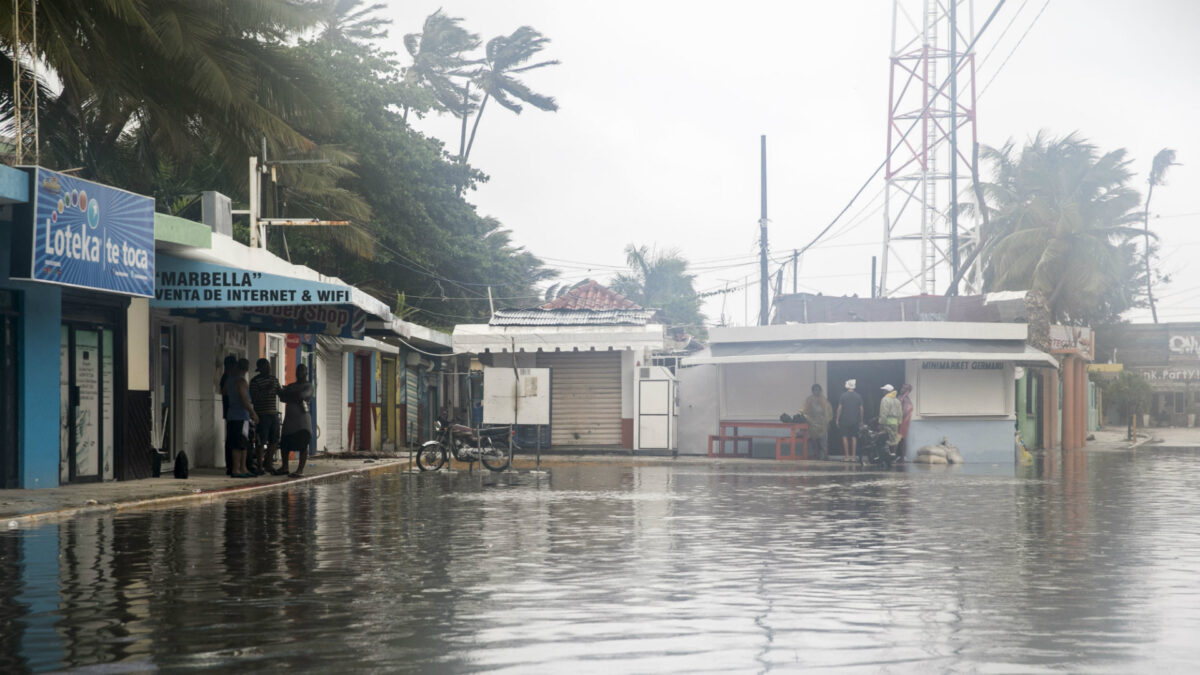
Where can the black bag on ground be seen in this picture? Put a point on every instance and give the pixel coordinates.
(181, 465)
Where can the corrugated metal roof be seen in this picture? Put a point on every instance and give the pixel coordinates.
(571, 317)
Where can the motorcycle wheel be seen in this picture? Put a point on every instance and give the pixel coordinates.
(431, 457)
(493, 457)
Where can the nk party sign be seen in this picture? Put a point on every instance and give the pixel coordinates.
(84, 234)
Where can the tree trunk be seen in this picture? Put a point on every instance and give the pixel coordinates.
(475, 127)
(1149, 279)
(462, 139)
(1037, 315)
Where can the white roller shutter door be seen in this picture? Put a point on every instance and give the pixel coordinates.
(585, 397)
(331, 430)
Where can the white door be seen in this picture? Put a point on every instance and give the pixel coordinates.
(332, 431)
(585, 397)
(654, 414)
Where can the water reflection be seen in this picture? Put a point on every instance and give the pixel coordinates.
(1089, 561)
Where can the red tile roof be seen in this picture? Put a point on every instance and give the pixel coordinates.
(591, 296)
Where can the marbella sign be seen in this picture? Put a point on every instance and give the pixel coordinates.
(184, 283)
(74, 232)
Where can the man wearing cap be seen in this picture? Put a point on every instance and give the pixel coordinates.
(890, 412)
(848, 419)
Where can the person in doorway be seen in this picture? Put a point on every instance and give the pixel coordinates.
(264, 390)
(297, 427)
(819, 412)
(890, 412)
(849, 418)
(239, 417)
(230, 366)
(906, 414)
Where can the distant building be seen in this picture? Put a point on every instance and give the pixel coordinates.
(597, 343)
(1167, 355)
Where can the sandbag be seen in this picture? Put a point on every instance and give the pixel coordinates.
(930, 459)
(932, 451)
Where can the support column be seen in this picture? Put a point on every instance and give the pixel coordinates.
(1082, 379)
(1051, 399)
(1069, 398)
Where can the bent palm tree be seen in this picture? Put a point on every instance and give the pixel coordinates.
(437, 53)
(1164, 160)
(504, 58)
(1060, 215)
(660, 280)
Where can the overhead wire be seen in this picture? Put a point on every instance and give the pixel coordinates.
(1013, 50)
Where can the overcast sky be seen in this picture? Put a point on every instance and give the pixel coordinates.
(662, 104)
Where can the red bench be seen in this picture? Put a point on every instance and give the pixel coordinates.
(732, 432)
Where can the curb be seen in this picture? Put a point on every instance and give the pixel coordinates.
(16, 522)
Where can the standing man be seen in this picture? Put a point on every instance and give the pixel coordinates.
(890, 412)
(906, 414)
(264, 390)
(819, 412)
(849, 418)
(297, 427)
(238, 418)
(230, 368)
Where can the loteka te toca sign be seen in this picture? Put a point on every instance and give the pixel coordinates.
(78, 233)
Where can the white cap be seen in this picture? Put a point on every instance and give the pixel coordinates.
(850, 384)
(888, 387)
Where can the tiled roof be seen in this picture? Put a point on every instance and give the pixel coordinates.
(572, 317)
(591, 296)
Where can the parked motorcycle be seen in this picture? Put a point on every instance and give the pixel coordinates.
(466, 446)
(873, 449)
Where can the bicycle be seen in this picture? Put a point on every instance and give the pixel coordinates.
(461, 440)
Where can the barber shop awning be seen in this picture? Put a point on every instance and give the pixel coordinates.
(266, 294)
(1013, 351)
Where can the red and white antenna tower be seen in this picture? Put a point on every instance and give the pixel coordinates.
(920, 241)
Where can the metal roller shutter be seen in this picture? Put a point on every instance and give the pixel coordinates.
(412, 400)
(331, 430)
(585, 397)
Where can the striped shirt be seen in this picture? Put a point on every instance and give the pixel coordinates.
(263, 390)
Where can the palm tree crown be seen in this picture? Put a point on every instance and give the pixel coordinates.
(1061, 216)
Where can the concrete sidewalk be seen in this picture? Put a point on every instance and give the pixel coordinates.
(23, 508)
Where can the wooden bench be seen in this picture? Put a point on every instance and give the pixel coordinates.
(732, 432)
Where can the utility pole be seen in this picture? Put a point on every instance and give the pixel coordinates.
(953, 290)
(764, 305)
(263, 174)
(795, 270)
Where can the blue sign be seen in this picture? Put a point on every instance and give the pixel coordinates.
(89, 235)
(192, 284)
(345, 321)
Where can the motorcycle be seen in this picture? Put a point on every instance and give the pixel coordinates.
(465, 445)
(873, 449)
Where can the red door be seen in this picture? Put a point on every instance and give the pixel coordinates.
(362, 396)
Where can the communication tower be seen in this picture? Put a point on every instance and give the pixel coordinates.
(922, 172)
(25, 82)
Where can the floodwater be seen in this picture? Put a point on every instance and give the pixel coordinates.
(1087, 563)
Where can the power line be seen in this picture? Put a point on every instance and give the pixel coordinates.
(1014, 49)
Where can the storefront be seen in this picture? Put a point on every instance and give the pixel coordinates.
(229, 299)
(962, 376)
(79, 251)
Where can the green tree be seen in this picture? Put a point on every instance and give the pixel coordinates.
(1129, 394)
(505, 56)
(351, 21)
(1164, 160)
(1060, 217)
(660, 280)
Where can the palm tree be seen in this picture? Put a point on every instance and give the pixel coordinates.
(186, 80)
(1060, 214)
(660, 280)
(506, 56)
(349, 20)
(437, 54)
(1164, 160)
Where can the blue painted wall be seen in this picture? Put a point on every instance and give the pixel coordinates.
(38, 410)
(979, 441)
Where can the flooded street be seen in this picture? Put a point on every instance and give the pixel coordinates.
(1087, 564)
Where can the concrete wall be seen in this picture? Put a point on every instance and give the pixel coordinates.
(979, 441)
(761, 391)
(699, 415)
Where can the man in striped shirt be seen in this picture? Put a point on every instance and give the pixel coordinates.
(264, 393)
